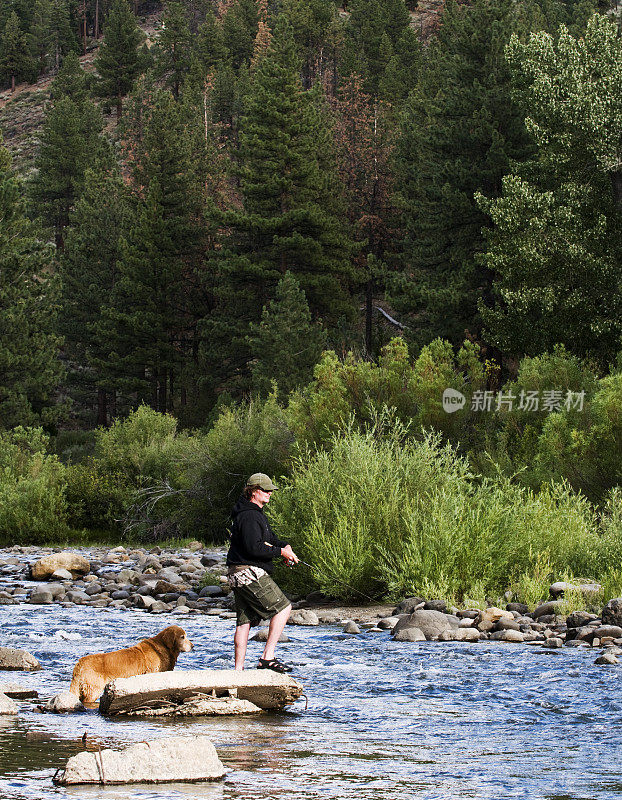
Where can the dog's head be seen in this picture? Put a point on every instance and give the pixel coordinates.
(174, 639)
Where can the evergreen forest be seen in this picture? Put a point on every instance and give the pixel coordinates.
(241, 235)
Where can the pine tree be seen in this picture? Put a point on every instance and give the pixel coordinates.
(14, 60)
(239, 29)
(38, 34)
(61, 37)
(89, 272)
(30, 369)
(69, 140)
(461, 129)
(288, 220)
(208, 44)
(286, 344)
(375, 28)
(311, 21)
(364, 135)
(117, 61)
(150, 321)
(174, 46)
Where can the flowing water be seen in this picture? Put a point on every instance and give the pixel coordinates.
(432, 721)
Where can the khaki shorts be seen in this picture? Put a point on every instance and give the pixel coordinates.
(261, 599)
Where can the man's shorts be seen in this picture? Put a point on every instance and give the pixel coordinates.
(261, 599)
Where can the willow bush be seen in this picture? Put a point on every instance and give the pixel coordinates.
(392, 516)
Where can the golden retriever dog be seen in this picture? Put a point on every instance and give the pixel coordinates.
(157, 654)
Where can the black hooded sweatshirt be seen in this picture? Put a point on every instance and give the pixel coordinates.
(249, 533)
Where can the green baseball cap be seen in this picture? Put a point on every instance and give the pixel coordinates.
(262, 480)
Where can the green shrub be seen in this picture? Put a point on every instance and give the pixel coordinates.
(254, 437)
(586, 448)
(96, 500)
(392, 516)
(32, 483)
(145, 447)
(358, 389)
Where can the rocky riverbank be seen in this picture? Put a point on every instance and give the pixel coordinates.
(190, 581)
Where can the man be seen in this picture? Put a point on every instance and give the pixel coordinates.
(253, 547)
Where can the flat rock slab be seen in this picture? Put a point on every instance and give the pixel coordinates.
(16, 691)
(11, 659)
(262, 687)
(173, 759)
(197, 706)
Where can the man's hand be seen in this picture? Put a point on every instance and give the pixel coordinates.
(289, 555)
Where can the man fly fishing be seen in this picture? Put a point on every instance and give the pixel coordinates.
(253, 547)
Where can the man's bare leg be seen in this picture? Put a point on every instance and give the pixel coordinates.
(240, 640)
(276, 628)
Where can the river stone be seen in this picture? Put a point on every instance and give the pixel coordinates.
(608, 630)
(211, 591)
(77, 596)
(170, 576)
(7, 706)
(263, 687)
(64, 703)
(546, 609)
(507, 636)
(144, 601)
(612, 612)
(17, 692)
(166, 587)
(168, 760)
(408, 605)
(388, 623)
(557, 589)
(410, 634)
(45, 567)
(554, 642)
(505, 624)
(607, 658)
(61, 575)
(435, 605)
(303, 616)
(40, 597)
(520, 608)
(351, 627)
(11, 659)
(493, 614)
(460, 635)
(93, 588)
(262, 636)
(579, 618)
(430, 623)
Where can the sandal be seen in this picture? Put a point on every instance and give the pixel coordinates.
(274, 664)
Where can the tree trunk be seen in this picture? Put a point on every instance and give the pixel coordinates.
(616, 185)
(96, 31)
(12, 83)
(119, 107)
(162, 391)
(102, 411)
(369, 295)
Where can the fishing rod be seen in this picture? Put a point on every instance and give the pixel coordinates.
(335, 578)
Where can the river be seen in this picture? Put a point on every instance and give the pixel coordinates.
(431, 721)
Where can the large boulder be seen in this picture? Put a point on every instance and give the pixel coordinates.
(45, 567)
(430, 623)
(7, 706)
(409, 635)
(262, 687)
(612, 612)
(545, 609)
(559, 588)
(177, 758)
(11, 659)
